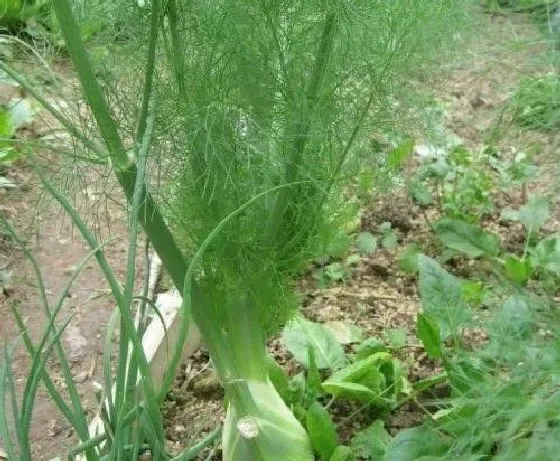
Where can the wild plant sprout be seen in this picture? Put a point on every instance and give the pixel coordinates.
(255, 108)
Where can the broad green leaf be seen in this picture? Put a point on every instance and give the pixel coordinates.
(366, 242)
(396, 337)
(467, 238)
(369, 347)
(322, 431)
(301, 333)
(428, 332)
(390, 240)
(518, 269)
(534, 214)
(408, 259)
(345, 333)
(415, 443)
(350, 391)
(441, 297)
(371, 443)
(342, 453)
(400, 153)
(546, 254)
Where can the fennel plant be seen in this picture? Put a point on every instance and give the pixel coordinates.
(259, 106)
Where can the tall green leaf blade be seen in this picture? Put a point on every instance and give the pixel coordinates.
(467, 238)
(301, 333)
(322, 431)
(428, 332)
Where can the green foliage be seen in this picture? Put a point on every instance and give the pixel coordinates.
(371, 443)
(366, 242)
(467, 238)
(428, 332)
(301, 334)
(536, 104)
(322, 431)
(441, 296)
(408, 258)
(260, 108)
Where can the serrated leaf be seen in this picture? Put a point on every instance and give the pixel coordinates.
(428, 332)
(372, 442)
(441, 297)
(342, 453)
(345, 333)
(301, 333)
(467, 238)
(366, 242)
(534, 214)
(518, 269)
(322, 431)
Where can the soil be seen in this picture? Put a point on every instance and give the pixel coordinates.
(376, 296)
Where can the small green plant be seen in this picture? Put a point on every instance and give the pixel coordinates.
(459, 183)
(370, 377)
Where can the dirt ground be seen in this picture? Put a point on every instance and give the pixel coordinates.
(377, 296)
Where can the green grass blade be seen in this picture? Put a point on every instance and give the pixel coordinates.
(4, 431)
